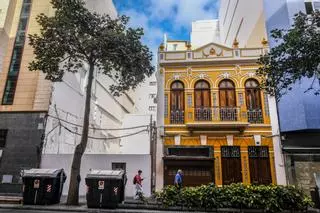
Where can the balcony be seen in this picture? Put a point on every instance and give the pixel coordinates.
(218, 117)
(217, 113)
(177, 117)
(255, 116)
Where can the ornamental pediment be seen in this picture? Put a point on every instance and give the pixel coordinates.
(212, 50)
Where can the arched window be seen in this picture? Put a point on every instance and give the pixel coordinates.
(202, 101)
(253, 99)
(177, 102)
(202, 94)
(227, 94)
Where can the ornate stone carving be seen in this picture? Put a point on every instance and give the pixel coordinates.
(251, 74)
(202, 75)
(225, 75)
(176, 76)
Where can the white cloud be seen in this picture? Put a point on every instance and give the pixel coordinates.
(153, 36)
(183, 12)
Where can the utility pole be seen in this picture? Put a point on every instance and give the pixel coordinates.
(151, 152)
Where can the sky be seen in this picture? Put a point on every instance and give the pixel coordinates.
(172, 17)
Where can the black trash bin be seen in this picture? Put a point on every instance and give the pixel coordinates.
(316, 193)
(105, 188)
(42, 186)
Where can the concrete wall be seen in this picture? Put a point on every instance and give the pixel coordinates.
(91, 161)
(22, 144)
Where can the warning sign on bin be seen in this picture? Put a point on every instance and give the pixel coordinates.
(101, 184)
(36, 184)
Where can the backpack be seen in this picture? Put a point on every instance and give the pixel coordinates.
(135, 180)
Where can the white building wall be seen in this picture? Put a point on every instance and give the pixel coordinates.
(238, 19)
(103, 162)
(145, 97)
(128, 145)
(204, 32)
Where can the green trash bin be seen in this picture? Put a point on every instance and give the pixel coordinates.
(42, 186)
(105, 188)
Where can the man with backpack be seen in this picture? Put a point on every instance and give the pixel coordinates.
(137, 182)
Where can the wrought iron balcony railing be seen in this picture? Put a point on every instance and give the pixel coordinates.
(217, 113)
(255, 116)
(177, 117)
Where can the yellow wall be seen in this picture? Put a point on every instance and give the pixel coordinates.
(214, 70)
(213, 75)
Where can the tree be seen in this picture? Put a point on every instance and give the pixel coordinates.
(296, 56)
(73, 37)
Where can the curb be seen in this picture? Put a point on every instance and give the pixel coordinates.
(124, 209)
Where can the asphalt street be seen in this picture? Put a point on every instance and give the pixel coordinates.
(26, 211)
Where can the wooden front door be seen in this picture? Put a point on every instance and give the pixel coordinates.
(195, 172)
(231, 165)
(259, 163)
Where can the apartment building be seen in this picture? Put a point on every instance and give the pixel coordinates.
(298, 111)
(41, 121)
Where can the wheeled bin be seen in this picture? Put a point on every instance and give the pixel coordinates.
(316, 193)
(42, 186)
(105, 188)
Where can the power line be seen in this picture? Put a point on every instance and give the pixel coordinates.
(111, 138)
(74, 124)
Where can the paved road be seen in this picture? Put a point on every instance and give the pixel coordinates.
(26, 211)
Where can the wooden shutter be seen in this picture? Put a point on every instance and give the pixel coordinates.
(206, 98)
(197, 95)
(223, 102)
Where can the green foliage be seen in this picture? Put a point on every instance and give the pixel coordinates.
(270, 198)
(75, 36)
(296, 56)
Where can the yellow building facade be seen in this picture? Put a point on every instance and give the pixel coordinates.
(216, 118)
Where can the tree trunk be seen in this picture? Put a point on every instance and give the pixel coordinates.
(73, 193)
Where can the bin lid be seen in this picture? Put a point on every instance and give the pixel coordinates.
(41, 172)
(109, 174)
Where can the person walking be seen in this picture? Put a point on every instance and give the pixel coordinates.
(178, 179)
(137, 181)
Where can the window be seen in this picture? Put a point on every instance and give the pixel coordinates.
(311, 6)
(253, 99)
(227, 94)
(15, 63)
(308, 6)
(166, 106)
(3, 137)
(119, 166)
(189, 100)
(175, 47)
(228, 110)
(152, 108)
(177, 102)
(152, 95)
(202, 94)
(266, 104)
(202, 101)
(152, 83)
(9, 90)
(177, 96)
